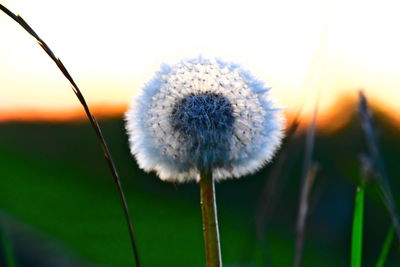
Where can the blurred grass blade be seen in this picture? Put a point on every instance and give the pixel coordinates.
(307, 180)
(91, 118)
(386, 248)
(7, 250)
(383, 181)
(357, 233)
(303, 212)
(271, 188)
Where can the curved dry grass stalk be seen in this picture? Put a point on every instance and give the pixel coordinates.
(91, 118)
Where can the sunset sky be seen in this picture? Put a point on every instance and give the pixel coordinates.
(303, 49)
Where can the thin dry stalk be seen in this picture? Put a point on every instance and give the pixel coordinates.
(303, 212)
(270, 189)
(309, 171)
(91, 118)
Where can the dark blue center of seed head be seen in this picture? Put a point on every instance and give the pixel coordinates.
(202, 116)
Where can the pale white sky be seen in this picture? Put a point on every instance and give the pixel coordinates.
(112, 48)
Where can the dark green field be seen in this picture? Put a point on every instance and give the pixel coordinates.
(59, 206)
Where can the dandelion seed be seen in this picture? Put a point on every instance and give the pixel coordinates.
(203, 116)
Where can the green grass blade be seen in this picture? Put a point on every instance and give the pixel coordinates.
(386, 248)
(5, 244)
(356, 241)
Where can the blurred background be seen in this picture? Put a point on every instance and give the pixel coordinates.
(58, 203)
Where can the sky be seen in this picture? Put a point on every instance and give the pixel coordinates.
(305, 50)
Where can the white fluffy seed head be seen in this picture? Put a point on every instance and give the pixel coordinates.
(203, 115)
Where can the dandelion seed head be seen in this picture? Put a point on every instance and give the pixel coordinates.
(203, 115)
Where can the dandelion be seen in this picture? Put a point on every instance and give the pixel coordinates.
(204, 120)
(203, 115)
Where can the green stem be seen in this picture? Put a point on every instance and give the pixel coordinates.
(356, 241)
(210, 220)
(5, 243)
(386, 248)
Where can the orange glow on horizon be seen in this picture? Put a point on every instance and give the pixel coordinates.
(60, 115)
(328, 121)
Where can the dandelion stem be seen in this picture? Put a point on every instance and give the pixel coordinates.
(210, 220)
